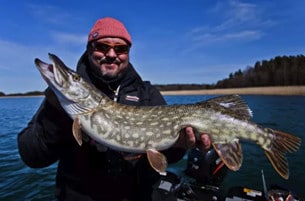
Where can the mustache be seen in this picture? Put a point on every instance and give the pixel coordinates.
(107, 60)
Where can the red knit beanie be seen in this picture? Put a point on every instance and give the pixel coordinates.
(108, 27)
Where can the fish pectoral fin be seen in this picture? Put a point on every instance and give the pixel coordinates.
(230, 153)
(77, 131)
(157, 161)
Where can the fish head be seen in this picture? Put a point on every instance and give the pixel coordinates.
(69, 87)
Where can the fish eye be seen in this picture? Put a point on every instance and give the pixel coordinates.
(76, 78)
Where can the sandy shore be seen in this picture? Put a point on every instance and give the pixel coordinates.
(285, 90)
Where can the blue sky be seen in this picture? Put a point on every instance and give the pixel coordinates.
(185, 41)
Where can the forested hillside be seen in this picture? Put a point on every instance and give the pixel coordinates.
(279, 71)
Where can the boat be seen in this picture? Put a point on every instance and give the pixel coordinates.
(173, 188)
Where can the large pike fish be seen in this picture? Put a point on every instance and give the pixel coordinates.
(150, 129)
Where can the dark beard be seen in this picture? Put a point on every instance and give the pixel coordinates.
(98, 75)
(107, 79)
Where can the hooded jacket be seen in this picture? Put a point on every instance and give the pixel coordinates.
(85, 172)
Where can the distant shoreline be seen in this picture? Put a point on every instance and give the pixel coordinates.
(281, 90)
(22, 96)
(278, 90)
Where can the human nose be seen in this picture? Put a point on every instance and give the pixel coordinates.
(111, 53)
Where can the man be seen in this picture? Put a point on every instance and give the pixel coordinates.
(89, 172)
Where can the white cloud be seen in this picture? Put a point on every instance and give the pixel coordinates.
(209, 38)
(69, 38)
(237, 21)
(14, 56)
(52, 15)
(17, 68)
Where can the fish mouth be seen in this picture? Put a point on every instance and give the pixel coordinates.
(57, 77)
(54, 74)
(68, 86)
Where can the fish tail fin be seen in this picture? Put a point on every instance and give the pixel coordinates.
(281, 144)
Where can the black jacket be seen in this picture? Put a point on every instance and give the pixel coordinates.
(84, 172)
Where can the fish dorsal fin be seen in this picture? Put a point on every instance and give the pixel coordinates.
(230, 153)
(233, 105)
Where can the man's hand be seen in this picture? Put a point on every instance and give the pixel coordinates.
(187, 138)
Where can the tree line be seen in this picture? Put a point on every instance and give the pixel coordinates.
(278, 71)
(31, 93)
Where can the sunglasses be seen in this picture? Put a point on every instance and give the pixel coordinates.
(105, 47)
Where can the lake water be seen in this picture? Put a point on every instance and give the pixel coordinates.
(286, 113)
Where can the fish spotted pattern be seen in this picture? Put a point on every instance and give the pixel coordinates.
(150, 129)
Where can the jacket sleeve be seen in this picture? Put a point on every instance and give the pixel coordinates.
(40, 142)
